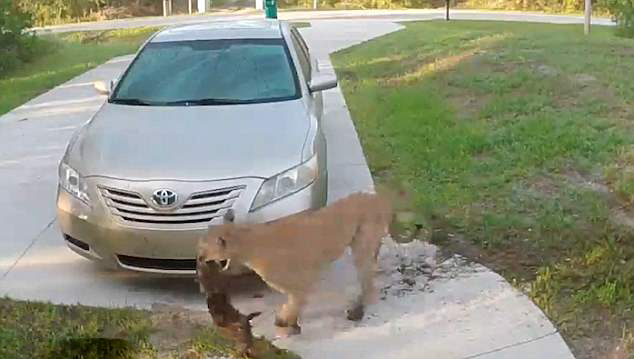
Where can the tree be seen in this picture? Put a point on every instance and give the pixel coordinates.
(623, 13)
(16, 43)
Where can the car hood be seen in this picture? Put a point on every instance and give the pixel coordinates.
(191, 143)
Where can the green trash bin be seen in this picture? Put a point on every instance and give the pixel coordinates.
(270, 9)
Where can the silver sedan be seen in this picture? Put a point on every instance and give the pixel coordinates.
(207, 118)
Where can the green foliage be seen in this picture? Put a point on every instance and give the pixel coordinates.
(16, 45)
(363, 4)
(556, 6)
(48, 11)
(60, 11)
(30, 330)
(64, 57)
(623, 12)
(527, 5)
(40, 330)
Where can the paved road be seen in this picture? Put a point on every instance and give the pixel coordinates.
(392, 15)
(454, 309)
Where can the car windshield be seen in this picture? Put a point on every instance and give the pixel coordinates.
(209, 72)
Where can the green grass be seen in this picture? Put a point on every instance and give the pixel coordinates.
(515, 144)
(62, 57)
(37, 330)
(300, 24)
(45, 331)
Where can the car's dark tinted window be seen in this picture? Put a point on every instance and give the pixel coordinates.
(209, 72)
(302, 51)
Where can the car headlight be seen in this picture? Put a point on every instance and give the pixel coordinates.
(73, 183)
(286, 183)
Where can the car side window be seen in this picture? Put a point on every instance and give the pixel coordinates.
(302, 43)
(304, 57)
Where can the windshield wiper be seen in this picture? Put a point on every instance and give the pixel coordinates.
(207, 102)
(131, 101)
(199, 102)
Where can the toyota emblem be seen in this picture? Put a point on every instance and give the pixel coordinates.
(164, 197)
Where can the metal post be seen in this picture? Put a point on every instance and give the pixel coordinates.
(170, 7)
(588, 17)
(203, 6)
(189, 6)
(315, 4)
(164, 7)
(447, 15)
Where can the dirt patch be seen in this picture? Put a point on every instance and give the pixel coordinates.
(544, 186)
(603, 345)
(175, 327)
(467, 105)
(591, 182)
(585, 89)
(406, 267)
(620, 213)
(511, 260)
(547, 71)
(583, 79)
(410, 226)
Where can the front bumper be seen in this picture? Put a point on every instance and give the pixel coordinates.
(97, 233)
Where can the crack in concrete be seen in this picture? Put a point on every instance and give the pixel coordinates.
(28, 248)
(511, 346)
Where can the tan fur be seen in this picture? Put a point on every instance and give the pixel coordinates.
(289, 253)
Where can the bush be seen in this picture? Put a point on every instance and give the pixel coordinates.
(46, 12)
(16, 43)
(57, 11)
(623, 12)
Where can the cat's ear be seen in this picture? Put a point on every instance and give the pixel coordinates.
(229, 216)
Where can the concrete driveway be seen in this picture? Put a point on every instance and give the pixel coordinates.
(431, 309)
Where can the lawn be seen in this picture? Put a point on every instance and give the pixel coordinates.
(45, 331)
(515, 144)
(62, 57)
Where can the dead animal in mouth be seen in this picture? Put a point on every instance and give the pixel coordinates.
(224, 315)
(289, 253)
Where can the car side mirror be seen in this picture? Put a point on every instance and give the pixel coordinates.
(322, 83)
(102, 88)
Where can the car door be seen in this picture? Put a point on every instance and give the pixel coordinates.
(308, 67)
(315, 103)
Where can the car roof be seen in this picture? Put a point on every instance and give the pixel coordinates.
(218, 30)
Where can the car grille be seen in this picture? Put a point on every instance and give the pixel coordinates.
(200, 208)
(154, 263)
